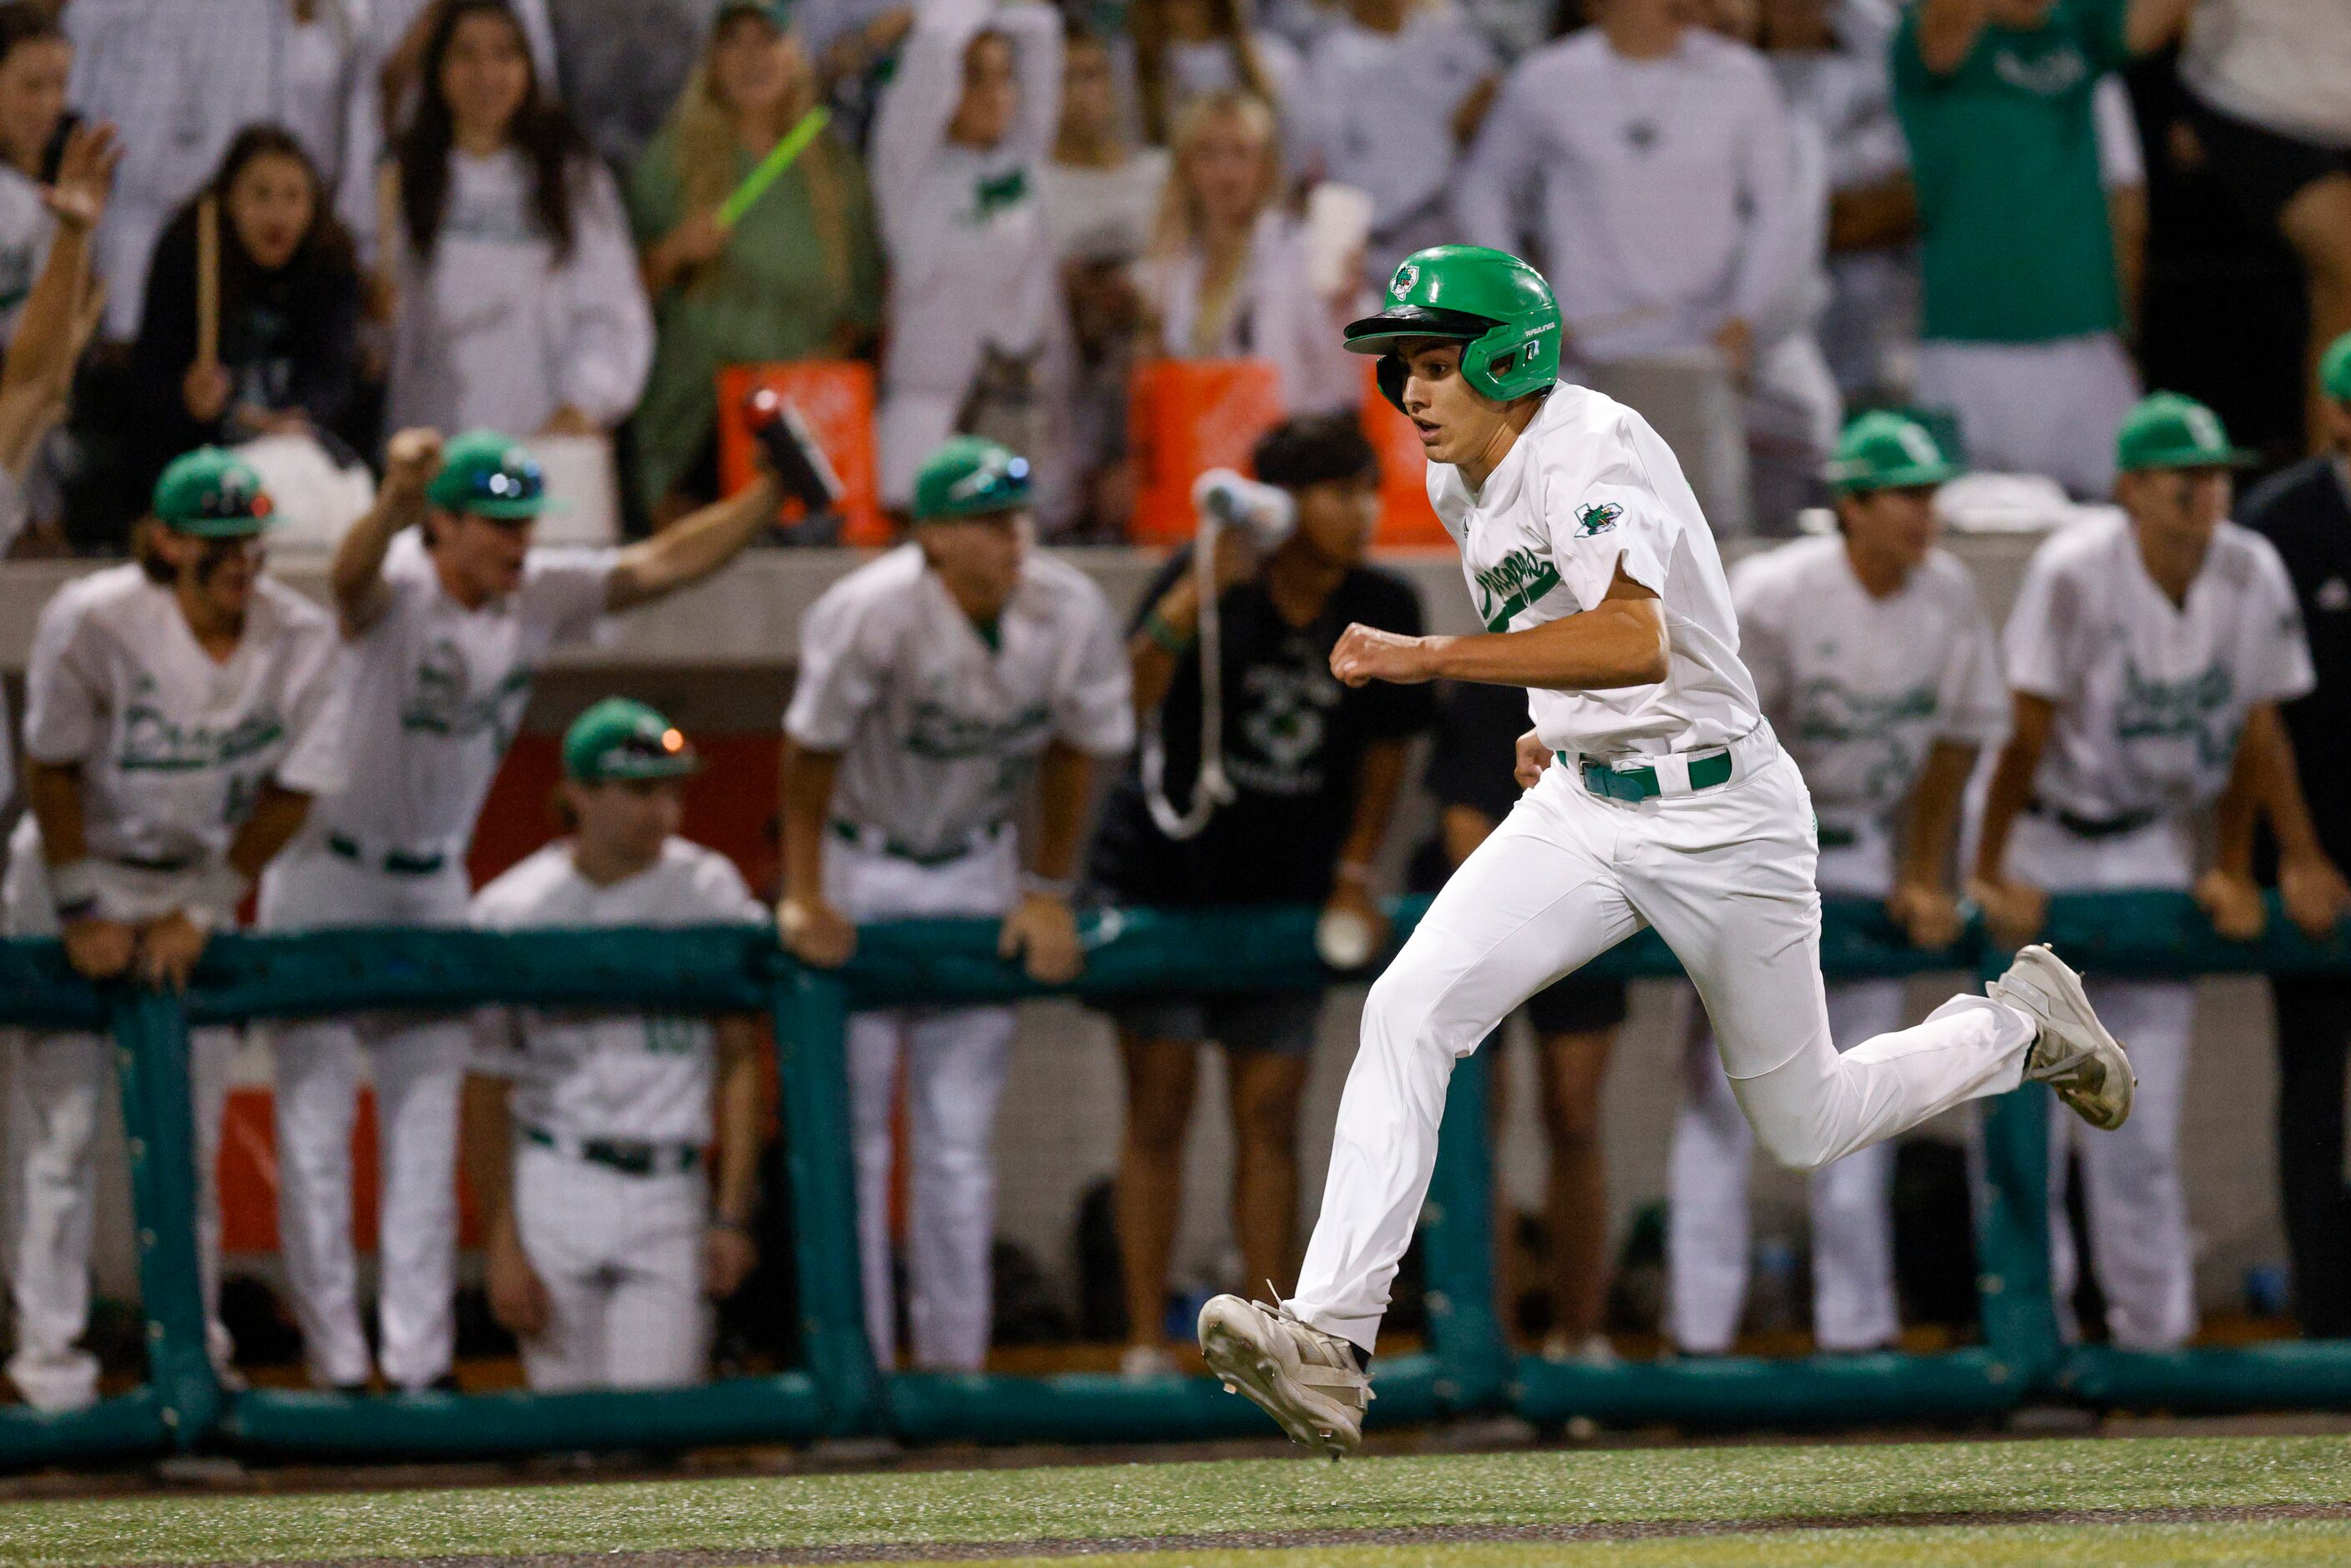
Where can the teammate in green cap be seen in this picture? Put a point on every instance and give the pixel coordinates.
(934, 683)
(1876, 668)
(448, 609)
(182, 713)
(2305, 513)
(2148, 655)
(585, 1132)
(1656, 794)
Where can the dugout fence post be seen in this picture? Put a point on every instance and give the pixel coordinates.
(812, 1023)
(152, 1059)
(1457, 1236)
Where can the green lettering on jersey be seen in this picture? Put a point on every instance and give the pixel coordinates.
(153, 742)
(1518, 579)
(2152, 709)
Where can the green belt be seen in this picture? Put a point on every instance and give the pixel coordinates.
(1641, 783)
(394, 861)
(627, 1156)
(848, 834)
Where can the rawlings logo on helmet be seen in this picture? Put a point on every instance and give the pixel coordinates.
(1406, 276)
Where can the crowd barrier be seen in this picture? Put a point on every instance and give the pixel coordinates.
(1465, 1368)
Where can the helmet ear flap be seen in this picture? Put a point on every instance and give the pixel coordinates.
(1391, 373)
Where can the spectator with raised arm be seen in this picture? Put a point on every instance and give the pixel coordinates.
(34, 60)
(519, 306)
(2026, 291)
(957, 157)
(52, 322)
(1185, 50)
(797, 276)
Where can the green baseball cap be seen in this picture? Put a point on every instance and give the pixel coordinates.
(779, 12)
(1883, 449)
(2168, 430)
(492, 475)
(2335, 369)
(214, 494)
(970, 477)
(620, 739)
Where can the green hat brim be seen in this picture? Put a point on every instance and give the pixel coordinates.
(2192, 457)
(222, 527)
(1857, 480)
(510, 511)
(991, 507)
(683, 767)
(1378, 334)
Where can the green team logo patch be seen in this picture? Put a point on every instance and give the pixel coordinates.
(1510, 584)
(1406, 276)
(1597, 518)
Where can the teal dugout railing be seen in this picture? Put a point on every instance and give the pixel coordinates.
(1466, 1366)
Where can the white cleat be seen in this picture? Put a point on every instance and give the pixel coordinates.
(2072, 1052)
(1305, 1379)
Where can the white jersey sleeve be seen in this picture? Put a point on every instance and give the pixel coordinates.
(842, 663)
(2275, 663)
(719, 892)
(1093, 701)
(64, 692)
(2033, 643)
(564, 588)
(1603, 515)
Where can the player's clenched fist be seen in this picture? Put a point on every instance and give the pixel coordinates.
(99, 949)
(815, 933)
(1043, 933)
(2232, 901)
(411, 459)
(1366, 653)
(2014, 911)
(1533, 756)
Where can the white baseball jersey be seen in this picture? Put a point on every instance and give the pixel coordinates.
(939, 729)
(1859, 688)
(1587, 486)
(640, 1076)
(2150, 696)
(174, 746)
(438, 692)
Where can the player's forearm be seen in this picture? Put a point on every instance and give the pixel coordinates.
(698, 546)
(489, 1148)
(1064, 787)
(2126, 221)
(44, 347)
(1932, 821)
(2279, 783)
(1379, 780)
(277, 815)
(53, 794)
(1617, 643)
(806, 806)
(2010, 792)
(1869, 217)
(1156, 650)
(1948, 31)
(737, 1195)
(356, 575)
(2150, 23)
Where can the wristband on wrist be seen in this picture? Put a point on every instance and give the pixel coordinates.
(1156, 627)
(1061, 887)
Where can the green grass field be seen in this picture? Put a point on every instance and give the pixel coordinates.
(2200, 1500)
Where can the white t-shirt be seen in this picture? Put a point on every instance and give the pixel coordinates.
(940, 730)
(1380, 106)
(1588, 485)
(2150, 696)
(174, 746)
(637, 1076)
(2283, 63)
(498, 330)
(1859, 688)
(438, 692)
(1664, 192)
(1275, 316)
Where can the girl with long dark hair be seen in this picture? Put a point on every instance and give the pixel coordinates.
(519, 306)
(34, 60)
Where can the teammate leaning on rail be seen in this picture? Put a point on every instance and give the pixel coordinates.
(447, 611)
(934, 683)
(585, 1132)
(1671, 805)
(182, 711)
(1874, 661)
(2147, 655)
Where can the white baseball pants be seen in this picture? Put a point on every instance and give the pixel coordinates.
(56, 1103)
(2131, 1190)
(1707, 1220)
(954, 1061)
(417, 1062)
(1726, 878)
(620, 1256)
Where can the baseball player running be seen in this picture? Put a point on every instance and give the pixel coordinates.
(2147, 655)
(443, 628)
(1656, 795)
(604, 1235)
(934, 683)
(1874, 662)
(180, 713)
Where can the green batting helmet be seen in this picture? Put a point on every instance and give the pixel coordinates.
(1498, 307)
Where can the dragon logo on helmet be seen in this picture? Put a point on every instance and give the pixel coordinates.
(1406, 276)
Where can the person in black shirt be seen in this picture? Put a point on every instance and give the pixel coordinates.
(1574, 1019)
(1317, 767)
(2306, 512)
